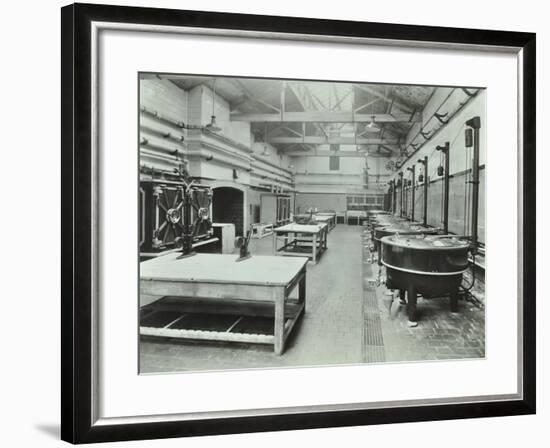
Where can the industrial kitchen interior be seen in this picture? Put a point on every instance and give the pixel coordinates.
(288, 223)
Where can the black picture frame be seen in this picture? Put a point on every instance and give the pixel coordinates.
(77, 425)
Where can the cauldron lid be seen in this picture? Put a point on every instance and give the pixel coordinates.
(431, 242)
(402, 228)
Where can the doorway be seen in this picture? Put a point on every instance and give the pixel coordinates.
(228, 207)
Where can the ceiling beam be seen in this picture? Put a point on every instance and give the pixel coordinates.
(364, 106)
(250, 97)
(386, 98)
(338, 140)
(326, 153)
(302, 103)
(324, 116)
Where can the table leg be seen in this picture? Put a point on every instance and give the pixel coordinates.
(279, 329)
(314, 248)
(302, 291)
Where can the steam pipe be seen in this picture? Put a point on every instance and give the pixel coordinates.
(448, 117)
(475, 123)
(445, 150)
(425, 198)
(412, 169)
(394, 198)
(401, 193)
(390, 196)
(173, 151)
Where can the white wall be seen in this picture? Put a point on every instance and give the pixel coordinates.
(459, 161)
(162, 96)
(30, 377)
(314, 175)
(200, 101)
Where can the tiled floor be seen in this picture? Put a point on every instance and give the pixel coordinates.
(329, 333)
(440, 334)
(347, 321)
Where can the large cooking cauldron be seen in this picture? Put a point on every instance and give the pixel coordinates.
(377, 212)
(380, 232)
(373, 214)
(384, 220)
(431, 266)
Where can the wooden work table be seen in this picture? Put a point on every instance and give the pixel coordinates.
(305, 240)
(225, 285)
(326, 218)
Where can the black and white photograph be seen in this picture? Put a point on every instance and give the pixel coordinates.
(298, 223)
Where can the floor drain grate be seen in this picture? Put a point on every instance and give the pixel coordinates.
(373, 343)
(373, 330)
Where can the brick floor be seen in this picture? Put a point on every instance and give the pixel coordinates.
(440, 334)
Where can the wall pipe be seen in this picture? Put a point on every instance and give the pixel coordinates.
(164, 118)
(475, 123)
(173, 151)
(445, 150)
(448, 117)
(394, 196)
(412, 169)
(425, 197)
(401, 193)
(406, 200)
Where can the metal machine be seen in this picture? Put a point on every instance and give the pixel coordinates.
(174, 212)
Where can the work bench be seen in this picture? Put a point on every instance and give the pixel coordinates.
(304, 240)
(327, 218)
(217, 283)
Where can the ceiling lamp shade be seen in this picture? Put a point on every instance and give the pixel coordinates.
(265, 151)
(371, 127)
(212, 126)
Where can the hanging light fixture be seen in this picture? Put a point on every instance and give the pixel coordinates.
(371, 127)
(265, 151)
(212, 126)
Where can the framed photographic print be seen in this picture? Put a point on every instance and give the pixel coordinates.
(274, 223)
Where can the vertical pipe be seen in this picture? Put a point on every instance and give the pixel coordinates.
(401, 193)
(394, 207)
(405, 198)
(426, 183)
(445, 150)
(424, 163)
(390, 197)
(475, 123)
(413, 184)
